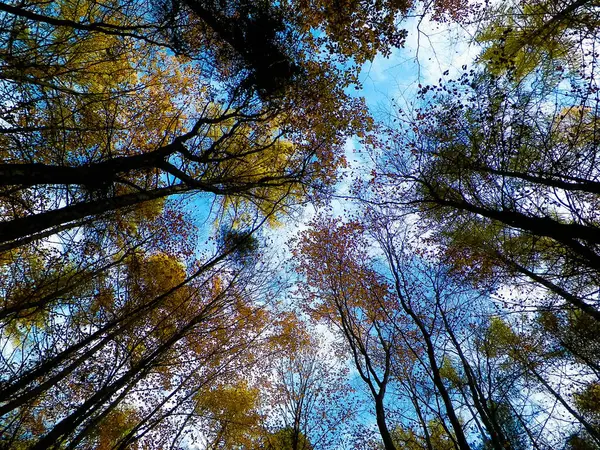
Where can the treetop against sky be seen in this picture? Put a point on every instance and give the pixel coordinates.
(299, 225)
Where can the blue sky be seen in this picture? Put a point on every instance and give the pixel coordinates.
(429, 51)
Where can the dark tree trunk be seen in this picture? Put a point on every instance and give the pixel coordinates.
(388, 442)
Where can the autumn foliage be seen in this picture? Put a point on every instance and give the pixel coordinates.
(149, 151)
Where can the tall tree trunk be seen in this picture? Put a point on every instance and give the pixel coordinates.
(12, 230)
(388, 442)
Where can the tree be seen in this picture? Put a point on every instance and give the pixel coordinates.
(497, 171)
(414, 299)
(233, 413)
(310, 399)
(522, 37)
(173, 344)
(525, 351)
(345, 293)
(84, 147)
(436, 439)
(386, 319)
(285, 439)
(504, 181)
(459, 375)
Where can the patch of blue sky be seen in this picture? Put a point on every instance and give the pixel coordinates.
(431, 50)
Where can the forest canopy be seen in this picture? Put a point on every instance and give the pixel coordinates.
(439, 292)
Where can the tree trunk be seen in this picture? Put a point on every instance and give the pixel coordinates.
(388, 443)
(18, 228)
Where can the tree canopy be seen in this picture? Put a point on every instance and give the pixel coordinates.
(151, 154)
